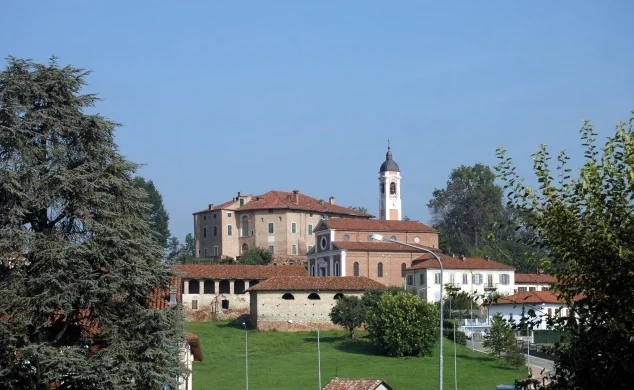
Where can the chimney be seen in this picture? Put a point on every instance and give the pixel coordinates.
(487, 258)
(296, 196)
(239, 194)
(211, 205)
(172, 295)
(331, 200)
(462, 257)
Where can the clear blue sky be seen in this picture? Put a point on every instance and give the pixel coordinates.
(217, 97)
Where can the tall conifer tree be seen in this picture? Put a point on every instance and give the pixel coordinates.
(81, 279)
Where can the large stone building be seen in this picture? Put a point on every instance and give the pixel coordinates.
(281, 222)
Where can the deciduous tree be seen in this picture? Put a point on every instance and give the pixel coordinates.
(349, 313)
(586, 223)
(80, 276)
(257, 256)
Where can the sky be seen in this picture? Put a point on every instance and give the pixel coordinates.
(216, 97)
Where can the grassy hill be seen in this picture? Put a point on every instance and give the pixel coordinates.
(279, 360)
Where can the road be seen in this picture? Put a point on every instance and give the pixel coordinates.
(537, 364)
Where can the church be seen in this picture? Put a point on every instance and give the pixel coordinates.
(344, 247)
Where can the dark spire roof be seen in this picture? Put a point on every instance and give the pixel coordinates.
(389, 164)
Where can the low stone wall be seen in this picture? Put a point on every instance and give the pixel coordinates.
(284, 326)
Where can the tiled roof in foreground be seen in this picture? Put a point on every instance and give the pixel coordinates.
(534, 278)
(355, 384)
(317, 283)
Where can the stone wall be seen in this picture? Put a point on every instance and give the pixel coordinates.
(272, 309)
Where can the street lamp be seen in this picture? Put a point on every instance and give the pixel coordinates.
(318, 351)
(246, 351)
(378, 237)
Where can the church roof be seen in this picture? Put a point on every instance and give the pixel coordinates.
(389, 165)
(377, 225)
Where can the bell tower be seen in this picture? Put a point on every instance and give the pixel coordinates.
(390, 189)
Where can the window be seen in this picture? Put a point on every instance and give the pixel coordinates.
(370, 237)
(452, 278)
(476, 278)
(338, 296)
(204, 232)
(355, 269)
(224, 287)
(208, 287)
(229, 215)
(205, 252)
(215, 215)
(310, 247)
(225, 304)
(215, 251)
(241, 202)
(393, 238)
(215, 231)
(270, 211)
(545, 288)
(314, 297)
(379, 270)
(337, 269)
(465, 279)
(310, 229)
(271, 227)
(550, 312)
(293, 227)
(323, 242)
(245, 226)
(346, 237)
(238, 287)
(272, 248)
(293, 249)
(194, 287)
(531, 289)
(392, 188)
(383, 188)
(204, 217)
(312, 271)
(421, 279)
(403, 267)
(490, 279)
(288, 297)
(504, 279)
(521, 289)
(410, 280)
(437, 278)
(194, 304)
(229, 230)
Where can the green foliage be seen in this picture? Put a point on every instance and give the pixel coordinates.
(178, 253)
(349, 313)
(358, 208)
(403, 325)
(257, 256)
(157, 214)
(586, 223)
(515, 355)
(500, 337)
(79, 269)
(461, 337)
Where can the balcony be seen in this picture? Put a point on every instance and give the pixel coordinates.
(490, 286)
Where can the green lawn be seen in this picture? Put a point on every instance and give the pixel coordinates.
(279, 360)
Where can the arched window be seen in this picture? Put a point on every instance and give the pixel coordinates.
(383, 188)
(238, 287)
(194, 287)
(209, 286)
(253, 282)
(337, 269)
(245, 248)
(380, 270)
(338, 296)
(313, 297)
(403, 266)
(245, 226)
(288, 296)
(224, 287)
(393, 238)
(392, 188)
(346, 237)
(355, 268)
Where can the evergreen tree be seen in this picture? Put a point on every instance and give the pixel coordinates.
(157, 214)
(81, 279)
(498, 338)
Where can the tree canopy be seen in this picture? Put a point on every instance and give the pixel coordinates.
(257, 256)
(157, 213)
(80, 276)
(586, 223)
(349, 313)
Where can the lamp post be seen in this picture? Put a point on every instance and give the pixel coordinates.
(246, 352)
(318, 350)
(378, 237)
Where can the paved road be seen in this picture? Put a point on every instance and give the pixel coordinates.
(538, 364)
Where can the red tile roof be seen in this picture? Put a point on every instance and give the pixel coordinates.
(530, 297)
(534, 278)
(284, 200)
(221, 206)
(355, 384)
(314, 283)
(426, 261)
(377, 246)
(378, 225)
(220, 272)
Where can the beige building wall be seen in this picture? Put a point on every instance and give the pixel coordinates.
(269, 310)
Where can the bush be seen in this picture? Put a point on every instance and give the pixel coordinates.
(461, 337)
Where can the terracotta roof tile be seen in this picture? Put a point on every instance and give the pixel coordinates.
(313, 283)
(378, 225)
(530, 297)
(257, 272)
(376, 246)
(218, 207)
(534, 278)
(426, 261)
(355, 384)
